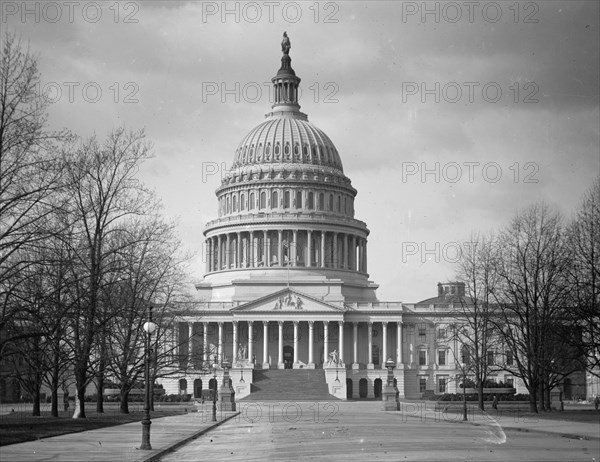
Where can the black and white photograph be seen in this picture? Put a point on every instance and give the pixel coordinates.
(299, 230)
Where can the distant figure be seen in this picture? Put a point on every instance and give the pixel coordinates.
(495, 402)
(597, 401)
(286, 44)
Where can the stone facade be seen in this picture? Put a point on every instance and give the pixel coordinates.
(287, 283)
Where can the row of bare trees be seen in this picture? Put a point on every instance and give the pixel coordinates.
(84, 250)
(532, 294)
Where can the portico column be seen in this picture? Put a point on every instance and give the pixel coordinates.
(341, 341)
(234, 356)
(295, 342)
(280, 364)
(269, 250)
(355, 335)
(220, 343)
(190, 342)
(370, 351)
(353, 254)
(280, 247)
(265, 344)
(384, 340)
(309, 252)
(205, 342)
(311, 325)
(322, 249)
(399, 342)
(294, 251)
(365, 252)
(325, 341)
(251, 342)
(335, 251)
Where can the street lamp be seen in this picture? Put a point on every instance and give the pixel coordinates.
(463, 368)
(149, 327)
(214, 408)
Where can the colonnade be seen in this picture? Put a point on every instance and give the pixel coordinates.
(249, 354)
(307, 248)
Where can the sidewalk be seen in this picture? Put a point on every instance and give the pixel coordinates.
(118, 443)
(507, 419)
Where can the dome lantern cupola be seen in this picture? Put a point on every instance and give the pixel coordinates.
(286, 83)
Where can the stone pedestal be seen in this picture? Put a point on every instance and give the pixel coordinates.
(355, 366)
(388, 399)
(370, 366)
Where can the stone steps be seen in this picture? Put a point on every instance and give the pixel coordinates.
(289, 385)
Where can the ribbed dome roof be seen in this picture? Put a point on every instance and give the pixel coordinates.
(286, 138)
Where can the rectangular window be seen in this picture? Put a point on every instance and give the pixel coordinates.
(442, 384)
(442, 357)
(442, 333)
(490, 358)
(422, 384)
(510, 382)
(509, 358)
(421, 331)
(422, 358)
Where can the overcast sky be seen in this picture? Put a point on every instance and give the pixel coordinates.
(449, 117)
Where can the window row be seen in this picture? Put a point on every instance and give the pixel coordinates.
(287, 151)
(285, 199)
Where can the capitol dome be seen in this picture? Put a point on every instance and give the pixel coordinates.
(286, 212)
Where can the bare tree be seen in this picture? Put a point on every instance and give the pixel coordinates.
(533, 291)
(29, 173)
(475, 328)
(150, 276)
(103, 194)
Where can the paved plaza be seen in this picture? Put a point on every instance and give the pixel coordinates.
(328, 430)
(360, 431)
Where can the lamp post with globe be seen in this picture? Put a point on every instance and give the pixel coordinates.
(149, 327)
(464, 368)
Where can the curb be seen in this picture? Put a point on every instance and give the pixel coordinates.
(158, 455)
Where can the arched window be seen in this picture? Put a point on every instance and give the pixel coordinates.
(235, 203)
(286, 150)
(228, 205)
(321, 201)
(277, 150)
(311, 201)
(286, 200)
(339, 207)
(242, 203)
(298, 199)
(330, 203)
(274, 202)
(251, 205)
(263, 200)
(182, 386)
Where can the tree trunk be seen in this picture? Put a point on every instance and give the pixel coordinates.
(532, 402)
(124, 406)
(54, 385)
(480, 395)
(541, 395)
(36, 401)
(100, 392)
(548, 400)
(80, 396)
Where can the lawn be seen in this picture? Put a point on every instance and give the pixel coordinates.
(20, 426)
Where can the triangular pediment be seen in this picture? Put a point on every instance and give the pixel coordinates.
(288, 300)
